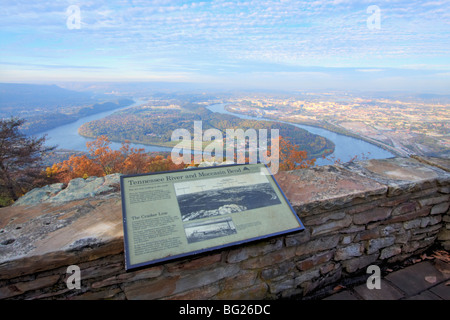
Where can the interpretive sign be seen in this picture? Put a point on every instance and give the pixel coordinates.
(177, 213)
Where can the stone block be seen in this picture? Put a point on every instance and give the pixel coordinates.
(255, 249)
(19, 288)
(328, 268)
(411, 246)
(403, 237)
(424, 193)
(368, 234)
(203, 293)
(307, 275)
(440, 208)
(395, 228)
(429, 230)
(419, 236)
(133, 276)
(390, 251)
(377, 214)
(347, 239)
(344, 253)
(101, 271)
(297, 238)
(269, 259)
(376, 244)
(194, 263)
(412, 224)
(445, 190)
(430, 221)
(241, 280)
(277, 270)
(352, 229)
(434, 200)
(331, 277)
(322, 218)
(408, 216)
(150, 290)
(315, 260)
(331, 226)
(358, 263)
(204, 278)
(404, 208)
(317, 245)
(284, 284)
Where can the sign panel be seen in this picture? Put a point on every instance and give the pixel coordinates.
(173, 214)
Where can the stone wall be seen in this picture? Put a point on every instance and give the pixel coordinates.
(355, 215)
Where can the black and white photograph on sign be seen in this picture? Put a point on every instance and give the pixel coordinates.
(209, 229)
(219, 196)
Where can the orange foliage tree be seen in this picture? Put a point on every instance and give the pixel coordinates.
(102, 160)
(291, 158)
(110, 161)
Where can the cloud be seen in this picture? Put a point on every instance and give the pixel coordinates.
(206, 38)
(369, 70)
(52, 66)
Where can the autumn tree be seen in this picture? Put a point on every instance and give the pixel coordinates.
(102, 160)
(159, 163)
(111, 161)
(20, 160)
(75, 167)
(291, 158)
(135, 160)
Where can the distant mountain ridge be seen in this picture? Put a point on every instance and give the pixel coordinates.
(21, 96)
(47, 106)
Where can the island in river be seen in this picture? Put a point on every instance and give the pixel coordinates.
(154, 124)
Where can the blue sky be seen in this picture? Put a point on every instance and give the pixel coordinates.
(284, 44)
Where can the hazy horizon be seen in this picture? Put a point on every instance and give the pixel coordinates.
(251, 45)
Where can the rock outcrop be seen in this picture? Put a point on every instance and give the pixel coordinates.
(76, 189)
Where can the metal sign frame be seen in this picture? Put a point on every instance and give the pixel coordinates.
(174, 214)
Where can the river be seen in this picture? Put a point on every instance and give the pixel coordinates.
(345, 147)
(67, 137)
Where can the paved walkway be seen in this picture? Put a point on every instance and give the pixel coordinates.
(426, 280)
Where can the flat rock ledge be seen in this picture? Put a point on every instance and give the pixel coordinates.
(76, 189)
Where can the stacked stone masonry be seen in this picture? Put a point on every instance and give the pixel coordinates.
(357, 214)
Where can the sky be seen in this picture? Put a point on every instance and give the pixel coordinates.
(285, 44)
